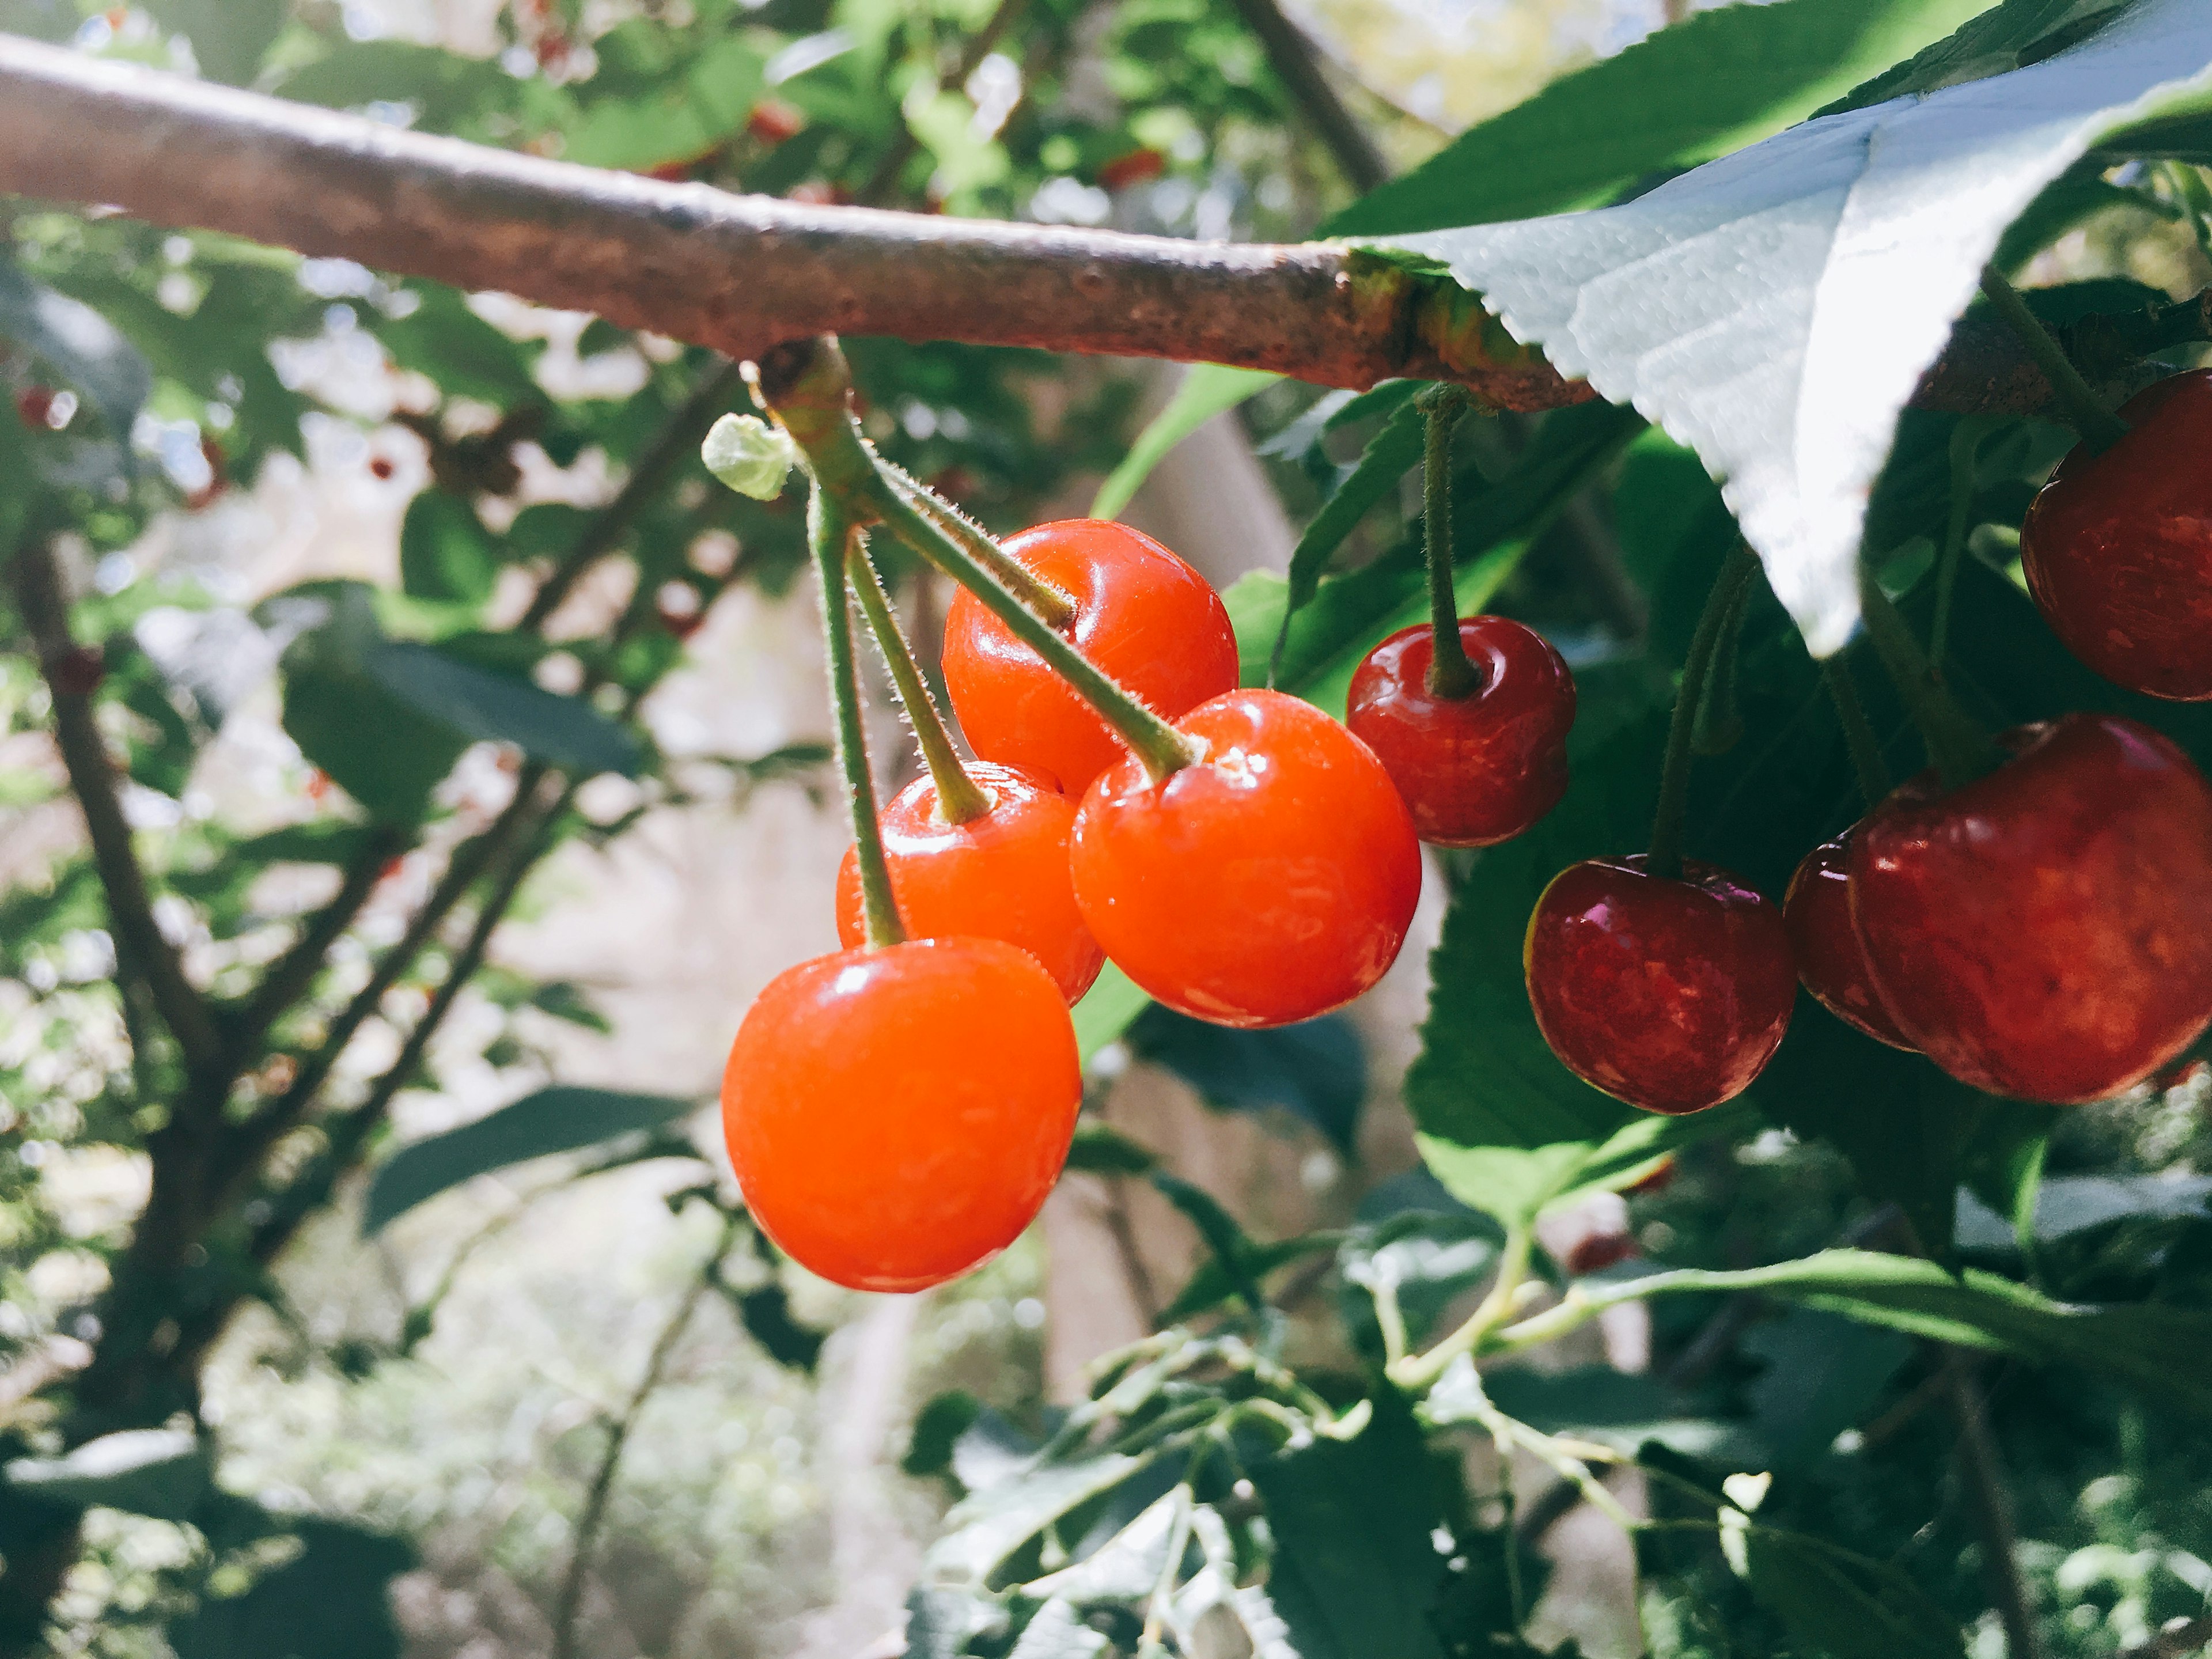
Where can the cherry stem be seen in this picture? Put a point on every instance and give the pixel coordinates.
(1858, 731)
(1666, 827)
(2099, 429)
(1966, 450)
(808, 388)
(1450, 674)
(831, 536)
(1959, 750)
(960, 799)
(1719, 723)
(1041, 596)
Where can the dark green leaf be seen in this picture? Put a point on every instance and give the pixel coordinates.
(446, 554)
(685, 117)
(2003, 38)
(1104, 1150)
(1316, 1070)
(1843, 1605)
(229, 37)
(79, 344)
(332, 1600)
(994, 1525)
(1388, 456)
(940, 1622)
(1213, 1282)
(767, 1316)
(1823, 1374)
(163, 1472)
(1356, 1574)
(555, 1120)
(465, 355)
(1233, 1250)
(445, 86)
(937, 1430)
(563, 732)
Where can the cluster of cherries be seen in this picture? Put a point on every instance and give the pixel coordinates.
(897, 1114)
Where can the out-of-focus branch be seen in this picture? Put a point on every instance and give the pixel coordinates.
(1296, 63)
(143, 951)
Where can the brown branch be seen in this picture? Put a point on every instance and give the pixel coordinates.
(289, 975)
(1291, 54)
(143, 951)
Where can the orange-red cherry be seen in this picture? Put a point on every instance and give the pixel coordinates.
(1142, 617)
(1001, 875)
(1831, 962)
(898, 1116)
(1478, 769)
(2118, 547)
(1669, 995)
(1268, 882)
(2045, 931)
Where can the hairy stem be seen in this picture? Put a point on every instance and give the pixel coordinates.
(1668, 824)
(1417, 1371)
(835, 540)
(1858, 732)
(1958, 749)
(959, 797)
(1057, 609)
(1965, 449)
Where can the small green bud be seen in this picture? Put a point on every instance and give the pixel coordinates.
(750, 456)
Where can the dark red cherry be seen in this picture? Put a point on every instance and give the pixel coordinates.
(1831, 962)
(1669, 995)
(2118, 549)
(2046, 932)
(1478, 769)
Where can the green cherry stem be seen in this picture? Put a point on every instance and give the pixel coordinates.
(1041, 596)
(959, 797)
(1858, 731)
(1959, 750)
(829, 535)
(1966, 448)
(1450, 674)
(1414, 1371)
(1667, 826)
(2099, 427)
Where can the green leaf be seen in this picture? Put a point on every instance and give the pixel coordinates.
(1843, 1605)
(446, 554)
(1213, 1281)
(463, 355)
(937, 1430)
(2003, 38)
(78, 343)
(555, 1120)
(563, 732)
(1589, 135)
(1103, 1151)
(1233, 1250)
(1823, 1374)
(1428, 1258)
(1315, 1069)
(766, 1314)
(2131, 1342)
(444, 86)
(676, 122)
(1388, 456)
(161, 1473)
(1356, 1574)
(1206, 390)
(332, 1600)
(1775, 309)
(1057, 1631)
(989, 1528)
(229, 37)
(1106, 1010)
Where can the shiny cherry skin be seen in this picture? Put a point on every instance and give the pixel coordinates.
(1478, 769)
(1142, 617)
(1831, 962)
(1001, 875)
(1671, 996)
(2118, 547)
(1269, 882)
(2046, 932)
(898, 1116)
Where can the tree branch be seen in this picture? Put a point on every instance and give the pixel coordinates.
(143, 951)
(1291, 55)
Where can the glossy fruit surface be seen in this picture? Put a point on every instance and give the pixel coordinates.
(1478, 769)
(1270, 881)
(2118, 548)
(1002, 876)
(1831, 962)
(1142, 616)
(2042, 931)
(896, 1117)
(1671, 996)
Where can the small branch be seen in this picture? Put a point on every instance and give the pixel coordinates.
(1291, 54)
(618, 1433)
(143, 951)
(289, 975)
(1979, 1462)
(1667, 826)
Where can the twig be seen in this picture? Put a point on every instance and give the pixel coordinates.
(1979, 1462)
(2175, 1644)
(141, 949)
(618, 1433)
(1290, 53)
(289, 975)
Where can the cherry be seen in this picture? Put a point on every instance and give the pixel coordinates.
(2118, 547)
(1132, 167)
(1669, 995)
(1002, 876)
(896, 1117)
(1832, 963)
(1478, 769)
(1142, 616)
(34, 406)
(773, 121)
(1269, 882)
(2042, 931)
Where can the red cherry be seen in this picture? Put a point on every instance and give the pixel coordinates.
(1478, 769)
(898, 1116)
(1831, 962)
(1132, 169)
(2118, 548)
(1142, 616)
(1671, 996)
(2043, 931)
(1269, 882)
(380, 469)
(34, 406)
(1003, 876)
(773, 121)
